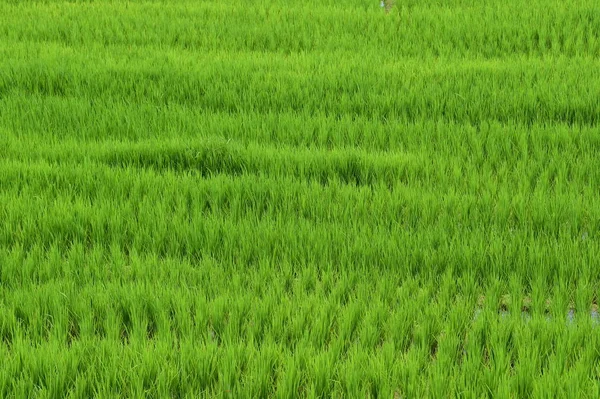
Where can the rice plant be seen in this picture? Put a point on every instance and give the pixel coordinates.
(299, 199)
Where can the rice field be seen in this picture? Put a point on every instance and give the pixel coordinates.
(252, 199)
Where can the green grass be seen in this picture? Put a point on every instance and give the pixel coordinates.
(299, 199)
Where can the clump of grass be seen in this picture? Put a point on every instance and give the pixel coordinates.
(248, 210)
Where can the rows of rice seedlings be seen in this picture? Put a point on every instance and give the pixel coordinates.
(520, 90)
(319, 211)
(94, 257)
(299, 199)
(258, 332)
(412, 28)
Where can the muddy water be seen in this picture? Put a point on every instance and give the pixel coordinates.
(526, 316)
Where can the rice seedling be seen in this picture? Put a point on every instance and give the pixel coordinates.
(299, 199)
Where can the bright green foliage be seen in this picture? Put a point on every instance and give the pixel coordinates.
(251, 199)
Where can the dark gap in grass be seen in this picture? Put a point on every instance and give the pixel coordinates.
(288, 283)
(189, 206)
(98, 320)
(21, 317)
(433, 348)
(149, 382)
(526, 305)
(374, 387)
(213, 334)
(6, 334)
(485, 356)
(406, 340)
(74, 329)
(48, 325)
(176, 387)
(126, 324)
(174, 324)
(504, 305)
(511, 365)
(192, 314)
(151, 326)
(151, 329)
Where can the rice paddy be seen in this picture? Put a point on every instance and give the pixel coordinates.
(254, 199)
